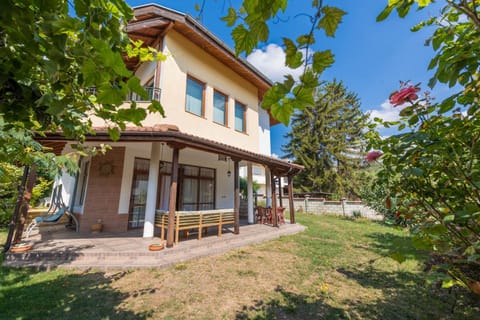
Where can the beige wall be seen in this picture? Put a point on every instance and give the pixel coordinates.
(185, 58)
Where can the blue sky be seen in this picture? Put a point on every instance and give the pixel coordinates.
(370, 57)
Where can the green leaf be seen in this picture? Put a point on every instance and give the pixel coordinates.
(282, 112)
(134, 115)
(155, 106)
(423, 3)
(332, 16)
(449, 283)
(446, 105)
(449, 218)
(305, 39)
(114, 133)
(385, 13)
(309, 79)
(135, 86)
(273, 95)
(293, 57)
(322, 60)
(244, 40)
(303, 96)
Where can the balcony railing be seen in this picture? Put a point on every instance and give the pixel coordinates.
(153, 93)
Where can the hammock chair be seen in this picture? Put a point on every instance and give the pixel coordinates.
(54, 213)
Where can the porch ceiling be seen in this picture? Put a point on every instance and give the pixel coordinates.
(171, 135)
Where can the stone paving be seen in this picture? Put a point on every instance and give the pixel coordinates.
(67, 249)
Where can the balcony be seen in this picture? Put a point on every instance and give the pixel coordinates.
(153, 93)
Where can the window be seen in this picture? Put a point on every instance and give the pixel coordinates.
(82, 183)
(220, 108)
(196, 187)
(138, 197)
(240, 117)
(195, 97)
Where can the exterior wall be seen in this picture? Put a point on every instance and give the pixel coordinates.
(319, 206)
(185, 58)
(103, 194)
(224, 184)
(264, 132)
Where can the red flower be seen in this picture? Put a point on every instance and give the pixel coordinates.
(373, 155)
(407, 94)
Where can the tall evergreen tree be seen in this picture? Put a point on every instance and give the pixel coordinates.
(328, 138)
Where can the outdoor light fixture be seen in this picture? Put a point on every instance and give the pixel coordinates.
(229, 173)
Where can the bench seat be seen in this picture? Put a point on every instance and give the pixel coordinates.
(199, 220)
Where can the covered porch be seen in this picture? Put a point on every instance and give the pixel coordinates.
(67, 249)
(166, 147)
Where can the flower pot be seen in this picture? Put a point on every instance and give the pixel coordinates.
(19, 248)
(155, 247)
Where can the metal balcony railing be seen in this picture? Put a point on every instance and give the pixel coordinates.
(153, 93)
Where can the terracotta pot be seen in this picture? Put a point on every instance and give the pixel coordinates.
(155, 247)
(19, 248)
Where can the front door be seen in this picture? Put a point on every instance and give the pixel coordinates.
(138, 198)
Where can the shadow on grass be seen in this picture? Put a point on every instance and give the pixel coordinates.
(289, 305)
(405, 295)
(28, 294)
(387, 243)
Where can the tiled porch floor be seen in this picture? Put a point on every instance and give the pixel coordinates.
(62, 248)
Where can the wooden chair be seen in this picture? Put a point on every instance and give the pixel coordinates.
(261, 215)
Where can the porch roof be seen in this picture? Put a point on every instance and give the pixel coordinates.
(171, 135)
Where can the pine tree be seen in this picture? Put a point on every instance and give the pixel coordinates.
(328, 139)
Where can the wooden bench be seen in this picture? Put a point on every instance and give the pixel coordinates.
(199, 220)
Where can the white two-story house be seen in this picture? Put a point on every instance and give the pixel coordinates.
(189, 159)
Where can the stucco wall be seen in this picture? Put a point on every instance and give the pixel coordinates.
(318, 206)
(185, 58)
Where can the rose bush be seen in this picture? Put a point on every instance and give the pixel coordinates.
(433, 170)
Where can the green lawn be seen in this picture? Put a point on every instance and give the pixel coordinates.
(337, 269)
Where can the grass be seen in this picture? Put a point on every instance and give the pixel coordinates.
(337, 269)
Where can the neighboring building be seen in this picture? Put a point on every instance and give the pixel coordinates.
(213, 125)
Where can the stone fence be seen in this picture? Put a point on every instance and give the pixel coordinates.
(342, 207)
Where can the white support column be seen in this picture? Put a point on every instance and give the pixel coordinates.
(251, 218)
(268, 187)
(150, 205)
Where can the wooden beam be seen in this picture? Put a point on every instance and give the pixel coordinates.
(147, 24)
(290, 199)
(173, 199)
(280, 191)
(274, 199)
(236, 181)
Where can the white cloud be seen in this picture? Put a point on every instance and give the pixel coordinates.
(271, 61)
(387, 112)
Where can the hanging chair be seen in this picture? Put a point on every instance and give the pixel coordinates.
(54, 213)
